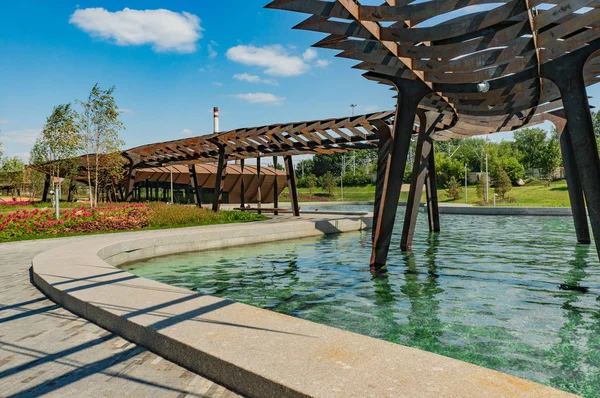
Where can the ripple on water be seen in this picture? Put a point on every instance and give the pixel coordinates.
(486, 290)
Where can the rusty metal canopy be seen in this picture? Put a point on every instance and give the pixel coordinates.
(454, 45)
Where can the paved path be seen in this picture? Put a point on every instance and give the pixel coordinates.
(45, 349)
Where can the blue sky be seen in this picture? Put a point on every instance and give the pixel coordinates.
(171, 62)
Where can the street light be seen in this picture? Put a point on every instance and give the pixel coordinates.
(353, 153)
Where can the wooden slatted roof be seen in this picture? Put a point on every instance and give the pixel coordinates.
(452, 45)
(308, 137)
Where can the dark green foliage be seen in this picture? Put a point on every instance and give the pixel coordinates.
(447, 167)
(502, 184)
(453, 189)
(329, 182)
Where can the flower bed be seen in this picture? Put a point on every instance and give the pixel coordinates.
(15, 203)
(23, 223)
(41, 223)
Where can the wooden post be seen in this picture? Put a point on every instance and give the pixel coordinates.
(194, 184)
(433, 211)
(410, 93)
(130, 183)
(383, 151)
(46, 189)
(243, 187)
(574, 186)
(275, 188)
(259, 190)
(221, 174)
(417, 182)
(291, 180)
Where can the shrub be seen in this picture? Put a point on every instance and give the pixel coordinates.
(453, 189)
(502, 183)
(481, 187)
(163, 215)
(329, 182)
(311, 183)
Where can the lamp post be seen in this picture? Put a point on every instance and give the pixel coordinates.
(353, 153)
(466, 183)
(487, 180)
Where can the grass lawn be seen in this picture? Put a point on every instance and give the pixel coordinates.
(536, 194)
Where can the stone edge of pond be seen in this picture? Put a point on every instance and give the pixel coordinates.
(252, 351)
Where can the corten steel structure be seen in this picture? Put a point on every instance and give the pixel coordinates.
(482, 67)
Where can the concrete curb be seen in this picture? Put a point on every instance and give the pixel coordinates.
(255, 352)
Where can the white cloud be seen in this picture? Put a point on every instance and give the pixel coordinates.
(3, 121)
(186, 133)
(309, 55)
(260, 98)
(254, 79)
(165, 30)
(370, 108)
(126, 111)
(275, 59)
(322, 63)
(212, 53)
(217, 84)
(27, 136)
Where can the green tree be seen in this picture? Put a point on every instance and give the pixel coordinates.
(513, 168)
(453, 189)
(56, 148)
(550, 158)
(329, 182)
(530, 142)
(502, 184)
(481, 186)
(12, 174)
(447, 167)
(311, 182)
(100, 126)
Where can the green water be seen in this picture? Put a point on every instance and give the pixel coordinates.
(493, 291)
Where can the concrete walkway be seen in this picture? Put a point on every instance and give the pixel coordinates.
(45, 349)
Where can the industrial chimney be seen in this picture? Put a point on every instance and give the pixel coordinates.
(215, 119)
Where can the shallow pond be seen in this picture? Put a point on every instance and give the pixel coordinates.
(515, 294)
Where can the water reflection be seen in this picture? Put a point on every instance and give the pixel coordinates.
(481, 292)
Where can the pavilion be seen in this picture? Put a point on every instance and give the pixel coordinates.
(464, 68)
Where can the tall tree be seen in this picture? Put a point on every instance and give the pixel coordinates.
(100, 126)
(57, 147)
(531, 142)
(550, 157)
(12, 174)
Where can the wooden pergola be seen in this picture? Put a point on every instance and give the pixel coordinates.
(308, 137)
(464, 68)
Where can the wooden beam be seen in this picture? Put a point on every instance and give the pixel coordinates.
(220, 180)
(291, 180)
(275, 190)
(194, 185)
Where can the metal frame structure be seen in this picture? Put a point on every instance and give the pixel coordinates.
(472, 67)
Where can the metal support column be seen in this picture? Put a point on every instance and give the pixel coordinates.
(567, 74)
(275, 190)
(410, 93)
(194, 185)
(291, 180)
(221, 174)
